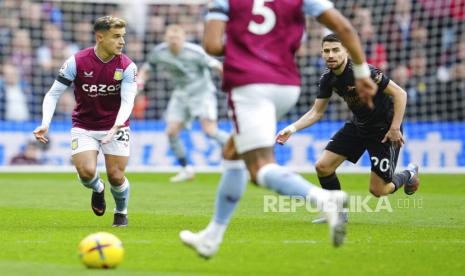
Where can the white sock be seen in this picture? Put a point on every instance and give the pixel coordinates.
(99, 187)
(122, 187)
(95, 184)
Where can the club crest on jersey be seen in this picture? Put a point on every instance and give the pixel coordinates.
(74, 144)
(118, 74)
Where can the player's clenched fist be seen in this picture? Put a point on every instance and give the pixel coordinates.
(284, 134)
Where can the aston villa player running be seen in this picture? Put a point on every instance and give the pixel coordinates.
(259, 40)
(104, 88)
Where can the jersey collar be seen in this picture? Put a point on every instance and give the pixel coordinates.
(95, 54)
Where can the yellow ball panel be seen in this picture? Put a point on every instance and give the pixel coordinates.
(101, 250)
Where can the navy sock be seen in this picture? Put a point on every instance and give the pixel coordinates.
(400, 179)
(330, 182)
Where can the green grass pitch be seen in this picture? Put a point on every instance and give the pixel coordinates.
(44, 216)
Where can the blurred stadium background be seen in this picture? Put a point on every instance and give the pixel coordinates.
(420, 44)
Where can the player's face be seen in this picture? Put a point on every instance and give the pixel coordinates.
(112, 41)
(334, 55)
(175, 41)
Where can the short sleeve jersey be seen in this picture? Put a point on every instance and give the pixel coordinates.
(262, 38)
(97, 87)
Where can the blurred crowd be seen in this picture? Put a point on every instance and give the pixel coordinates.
(420, 44)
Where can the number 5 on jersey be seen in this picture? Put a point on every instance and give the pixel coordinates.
(269, 18)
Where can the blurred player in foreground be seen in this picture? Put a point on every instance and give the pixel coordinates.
(104, 88)
(260, 74)
(194, 93)
(378, 130)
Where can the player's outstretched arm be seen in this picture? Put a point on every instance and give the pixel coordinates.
(311, 117)
(48, 108)
(399, 97)
(334, 20)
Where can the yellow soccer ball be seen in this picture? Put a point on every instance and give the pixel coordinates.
(101, 250)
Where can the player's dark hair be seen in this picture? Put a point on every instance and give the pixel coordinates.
(330, 38)
(105, 23)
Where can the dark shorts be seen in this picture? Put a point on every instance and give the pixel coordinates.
(349, 143)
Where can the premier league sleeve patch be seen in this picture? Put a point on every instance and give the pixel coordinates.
(118, 74)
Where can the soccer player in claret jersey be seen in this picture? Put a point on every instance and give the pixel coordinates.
(104, 88)
(377, 130)
(194, 94)
(263, 83)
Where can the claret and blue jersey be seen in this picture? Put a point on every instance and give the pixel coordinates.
(97, 87)
(262, 38)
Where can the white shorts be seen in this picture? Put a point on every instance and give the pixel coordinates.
(255, 110)
(84, 140)
(182, 108)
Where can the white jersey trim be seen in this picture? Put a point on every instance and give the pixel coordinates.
(316, 7)
(218, 10)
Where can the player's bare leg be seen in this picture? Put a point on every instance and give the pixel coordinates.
(231, 188)
(257, 159)
(120, 187)
(379, 187)
(326, 170)
(86, 166)
(172, 130)
(210, 128)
